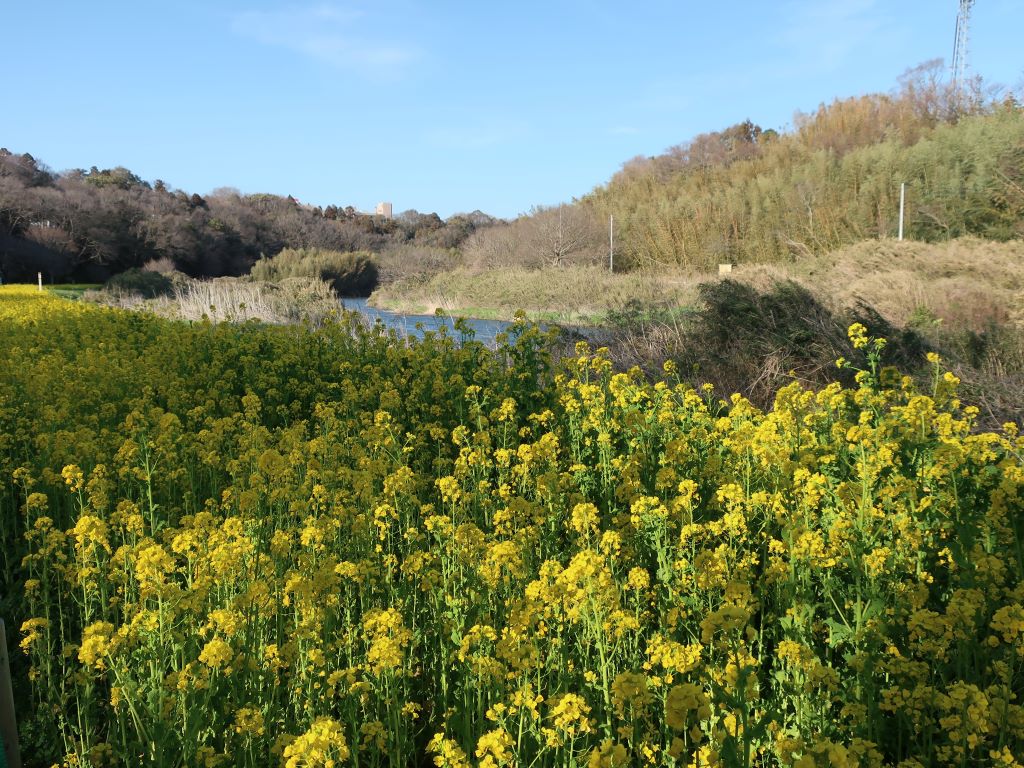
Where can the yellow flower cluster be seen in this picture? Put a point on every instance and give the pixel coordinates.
(322, 746)
(252, 546)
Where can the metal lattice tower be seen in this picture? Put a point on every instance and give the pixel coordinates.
(963, 23)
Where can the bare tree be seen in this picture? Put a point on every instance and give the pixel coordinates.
(497, 246)
(563, 234)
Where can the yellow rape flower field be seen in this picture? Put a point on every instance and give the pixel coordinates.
(247, 545)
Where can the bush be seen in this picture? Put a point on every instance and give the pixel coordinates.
(743, 340)
(415, 263)
(354, 273)
(144, 282)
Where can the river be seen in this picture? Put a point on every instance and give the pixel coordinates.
(416, 325)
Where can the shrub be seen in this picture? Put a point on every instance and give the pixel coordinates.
(146, 283)
(353, 273)
(744, 340)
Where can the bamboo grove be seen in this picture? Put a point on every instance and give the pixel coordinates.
(247, 545)
(747, 196)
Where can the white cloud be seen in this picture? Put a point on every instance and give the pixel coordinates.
(333, 35)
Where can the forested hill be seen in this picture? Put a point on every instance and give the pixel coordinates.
(751, 195)
(87, 225)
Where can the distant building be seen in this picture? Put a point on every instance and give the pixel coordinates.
(384, 209)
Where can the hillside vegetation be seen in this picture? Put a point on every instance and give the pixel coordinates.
(802, 196)
(89, 225)
(749, 195)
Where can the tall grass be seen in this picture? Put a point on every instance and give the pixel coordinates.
(228, 299)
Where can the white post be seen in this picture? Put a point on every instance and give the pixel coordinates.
(611, 243)
(39, 277)
(903, 197)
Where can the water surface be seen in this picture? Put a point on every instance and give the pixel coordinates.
(416, 325)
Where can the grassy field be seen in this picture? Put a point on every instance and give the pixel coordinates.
(71, 290)
(248, 545)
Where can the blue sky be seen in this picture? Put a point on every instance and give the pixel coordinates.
(444, 106)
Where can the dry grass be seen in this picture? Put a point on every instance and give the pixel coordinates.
(236, 300)
(578, 294)
(967, 284)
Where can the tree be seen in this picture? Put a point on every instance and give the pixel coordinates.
(119, 177)
(563, 234)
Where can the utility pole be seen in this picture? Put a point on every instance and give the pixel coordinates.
(903, 197)
(611, 243)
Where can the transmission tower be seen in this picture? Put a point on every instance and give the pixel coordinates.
(963, 23)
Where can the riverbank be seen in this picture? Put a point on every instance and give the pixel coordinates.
(570, 295)
(966, 283)
(229, 299)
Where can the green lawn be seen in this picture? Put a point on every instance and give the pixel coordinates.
(71, 290)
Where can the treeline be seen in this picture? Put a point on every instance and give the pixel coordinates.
(746, 194)
(88, 225)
